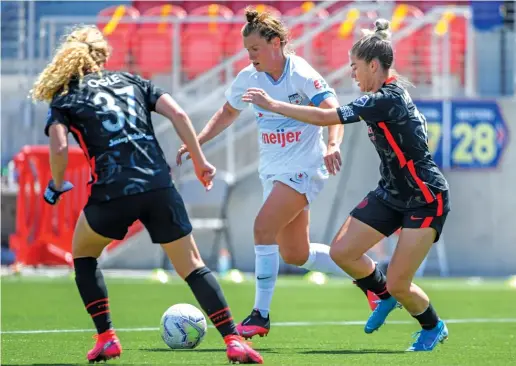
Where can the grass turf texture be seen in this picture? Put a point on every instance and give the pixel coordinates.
(305, 324)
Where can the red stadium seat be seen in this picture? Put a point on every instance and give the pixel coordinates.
(339, 39)
(118, 33)
(407, 51)
(239, 5)
(456, 27)
(426, 5)
(287, 6)
(187, 5)
(203, 43)
(154, 41)
(297, 31)
(234, 43)
(458, 37)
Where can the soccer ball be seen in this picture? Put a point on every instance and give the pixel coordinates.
(183, 326)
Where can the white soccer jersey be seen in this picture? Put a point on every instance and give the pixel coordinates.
(286, 145)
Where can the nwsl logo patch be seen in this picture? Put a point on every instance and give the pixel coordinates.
(361, 102)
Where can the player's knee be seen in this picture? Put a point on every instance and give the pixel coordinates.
(398, 287)
(340, 254)
(294, 256)
(263, 233)
(335, 253)
(82, 249)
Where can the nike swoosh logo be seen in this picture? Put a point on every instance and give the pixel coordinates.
(247, 332)
(293, 181)
(263, 278)
(415, 218)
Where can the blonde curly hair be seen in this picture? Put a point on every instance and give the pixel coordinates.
(83, 50)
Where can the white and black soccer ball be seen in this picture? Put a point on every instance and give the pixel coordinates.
(183, 326)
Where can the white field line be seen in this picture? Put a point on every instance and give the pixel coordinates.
(279, 324)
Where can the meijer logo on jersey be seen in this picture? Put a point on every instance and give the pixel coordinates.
(281, 137)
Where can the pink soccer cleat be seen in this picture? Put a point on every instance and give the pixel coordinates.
(107, 347)
(253, 325)
(239, 351)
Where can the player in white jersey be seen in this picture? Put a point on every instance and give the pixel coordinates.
(294, 160)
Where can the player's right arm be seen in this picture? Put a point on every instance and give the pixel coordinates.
(227, 114)
(221, 120)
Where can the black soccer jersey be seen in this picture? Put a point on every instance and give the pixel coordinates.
(409, 176)
(110, 117)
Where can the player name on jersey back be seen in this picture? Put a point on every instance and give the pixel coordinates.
(110, 80)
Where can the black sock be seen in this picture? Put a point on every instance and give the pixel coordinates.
(364, 290)
(208, 293)
(92, 288)
(428, 318)
(375, 282)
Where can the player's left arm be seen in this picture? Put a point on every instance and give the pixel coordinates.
(57, 130)
(311, 115)
(374, 108)
(58, 153)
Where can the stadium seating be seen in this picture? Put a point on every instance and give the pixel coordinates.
(118, 33)
(203, 43)
(339, 39)
(187, 5)
(456, 27)
(414, 53)
(298, 31)
(406, 51)
(153, 47)
(458, 35)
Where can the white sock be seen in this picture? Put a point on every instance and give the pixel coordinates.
(266, 270)
(319, 260)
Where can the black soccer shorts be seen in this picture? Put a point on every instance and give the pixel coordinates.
(161, 211)
(386, 218)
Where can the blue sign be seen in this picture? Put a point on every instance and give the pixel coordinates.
(466, 134)
(478, 134)
(487, 15)
(433, 112)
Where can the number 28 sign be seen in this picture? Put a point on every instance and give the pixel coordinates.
(465, 134)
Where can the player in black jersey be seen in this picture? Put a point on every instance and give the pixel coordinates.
(109, 114)
(412, 192)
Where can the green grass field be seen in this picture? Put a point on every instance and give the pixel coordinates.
(312, 325)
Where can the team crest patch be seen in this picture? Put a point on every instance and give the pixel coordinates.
(360, 102)
(295, 99)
